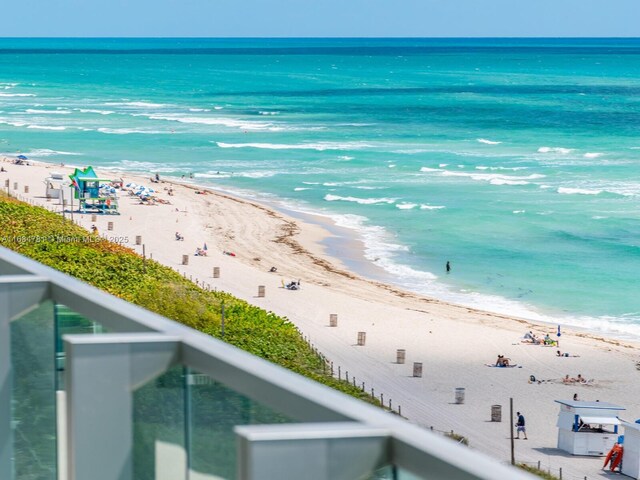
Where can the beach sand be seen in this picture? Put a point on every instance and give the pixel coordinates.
(453, 343)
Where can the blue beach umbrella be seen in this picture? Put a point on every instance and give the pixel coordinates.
(22, 157)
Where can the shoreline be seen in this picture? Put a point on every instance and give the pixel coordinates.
(454, 342)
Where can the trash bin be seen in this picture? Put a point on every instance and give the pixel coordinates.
(496, 413)
(459, 395)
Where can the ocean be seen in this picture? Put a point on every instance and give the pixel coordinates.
(517, 160)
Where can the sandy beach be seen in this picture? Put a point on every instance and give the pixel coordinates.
(454, 343)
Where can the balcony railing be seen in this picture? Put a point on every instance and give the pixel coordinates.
(95, 388)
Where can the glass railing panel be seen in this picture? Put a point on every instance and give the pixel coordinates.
(159, 428)
(392, 472)
(213, 410)
(69, 322)
(33, 395)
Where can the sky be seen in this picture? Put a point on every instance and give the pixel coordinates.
(320, 18)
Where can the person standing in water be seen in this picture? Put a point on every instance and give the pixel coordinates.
(448, 266)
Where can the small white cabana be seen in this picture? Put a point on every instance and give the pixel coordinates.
(54, 185)
(587, 428)
(631, 456)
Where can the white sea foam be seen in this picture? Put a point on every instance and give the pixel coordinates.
(365, 187)
(45, 152)
(199, 110)
(320, 146)
(429, 169)
(406, 205)
(311, 183)
(519, 211)
(137, 104)
(92, 110)
(500, 181)
(424, 206)
(487, 142)
(264, 112)
(592, 155)
(362, 201)
(442, 165)
(47, 127)
(13, 124)
(127, 131)
(300, 189)
(17, 94)
(393, 165)
(345, 157)
(578, 191)
(560, 150)
(212, 175)
(263, 174)
(48, 112)
(221, 121)
(495, 178)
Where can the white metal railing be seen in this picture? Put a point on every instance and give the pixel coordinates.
(339, 437)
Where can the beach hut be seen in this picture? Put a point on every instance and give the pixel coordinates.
(631, 456)
(54, 184)
(587, 428)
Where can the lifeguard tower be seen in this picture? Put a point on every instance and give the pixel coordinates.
(587, 428)
(92, 196)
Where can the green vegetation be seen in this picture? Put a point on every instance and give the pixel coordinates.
(538, 472)
(49, 239)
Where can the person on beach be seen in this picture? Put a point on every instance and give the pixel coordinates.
(157, 177)
(448, 266)
(575, 397)
(94, 229)
(560, 354)
(520, 426)
(178, 236)
(502, 361)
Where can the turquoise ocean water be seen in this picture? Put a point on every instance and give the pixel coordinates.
(516, 160)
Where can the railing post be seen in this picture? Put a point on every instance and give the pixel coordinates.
(18, 295)
(101, 374)
(313, 451)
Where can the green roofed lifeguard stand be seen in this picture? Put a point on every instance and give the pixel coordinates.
(91, 197)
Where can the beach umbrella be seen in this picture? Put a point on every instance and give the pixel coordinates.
(22, 157)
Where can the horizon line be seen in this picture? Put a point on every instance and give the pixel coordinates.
(105, 37)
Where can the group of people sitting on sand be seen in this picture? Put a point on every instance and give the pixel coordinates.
(531, 338)
(200, 252)
(578, 379)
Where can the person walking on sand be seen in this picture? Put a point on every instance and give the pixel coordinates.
(448, 266)
(520, 427)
